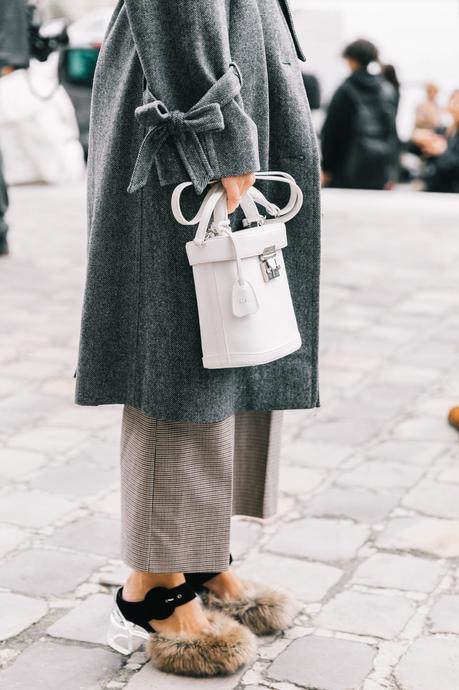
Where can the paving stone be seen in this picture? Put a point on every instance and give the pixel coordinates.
(449, 475)
(327, 540)
(356, 504)
(315, 454)
(49, 439)
(426, 427)
(244, 535)
(63, 387)
(149, 678)
(94, 534)
(16, 464)
(398, 572)
(40, 571)
(87, 622)
(406, 374)
(378, 402)
(373, 474)
(340, 381)
(359, 431)
(99, 452)
(25, 408)
(110, 504)
(113, 574)
(427, 535)
(18, 613)
(434, 406)
(323, 663)
(33, 508)
(31, 370)
(75, 478)
(299, 480)
(430, 662)
(306, 581)
(444, 615)
(87, 417)
(434, 498)
(52, 666)
(10, 538)
(341, 360)
(366, 614)
(403, 452)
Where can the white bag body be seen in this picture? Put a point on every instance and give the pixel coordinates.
(246, 314)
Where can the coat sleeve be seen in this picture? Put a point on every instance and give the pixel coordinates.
(193, 115)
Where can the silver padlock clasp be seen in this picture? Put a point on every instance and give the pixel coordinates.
(270, 266)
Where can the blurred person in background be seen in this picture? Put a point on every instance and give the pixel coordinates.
(389, 76)
(38, 128)
(429, 114)
(312, 88)
(441, 173)
(359, 133)
(14, 54)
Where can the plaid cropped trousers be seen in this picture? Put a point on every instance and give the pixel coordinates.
(181, 483)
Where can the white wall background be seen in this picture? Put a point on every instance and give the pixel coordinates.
(420, 37)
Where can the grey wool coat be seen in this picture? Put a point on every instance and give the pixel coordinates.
(190, 89)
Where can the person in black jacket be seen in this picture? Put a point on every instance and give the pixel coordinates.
(14, 54)
(359, 133)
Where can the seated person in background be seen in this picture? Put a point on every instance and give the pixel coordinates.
(441, 172)
(429, 114)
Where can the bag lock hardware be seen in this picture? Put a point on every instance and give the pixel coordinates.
(270, 267)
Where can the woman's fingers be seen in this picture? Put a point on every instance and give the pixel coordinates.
(247, 182)
(235, 187)
(233, 194)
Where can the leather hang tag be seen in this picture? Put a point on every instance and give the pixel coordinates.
(244, 299)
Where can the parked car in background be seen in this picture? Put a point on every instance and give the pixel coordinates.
(78, 61)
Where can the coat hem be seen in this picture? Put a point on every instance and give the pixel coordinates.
(305, 405)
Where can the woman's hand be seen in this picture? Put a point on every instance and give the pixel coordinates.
(435, 146)
(236, 187)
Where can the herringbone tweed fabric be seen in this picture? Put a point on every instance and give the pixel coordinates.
(181, 482)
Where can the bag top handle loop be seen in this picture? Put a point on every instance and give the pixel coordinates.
(214, 204)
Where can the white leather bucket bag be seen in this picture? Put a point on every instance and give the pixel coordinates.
(246, 314)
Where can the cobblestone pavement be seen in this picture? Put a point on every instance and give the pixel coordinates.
(368, 532)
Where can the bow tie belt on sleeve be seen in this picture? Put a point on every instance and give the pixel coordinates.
(204, 116)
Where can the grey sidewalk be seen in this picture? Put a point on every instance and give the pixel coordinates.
(368, 534)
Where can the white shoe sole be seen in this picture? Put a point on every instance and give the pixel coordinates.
(122, 635)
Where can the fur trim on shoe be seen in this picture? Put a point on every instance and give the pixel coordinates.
(262, 609)
(220, 650)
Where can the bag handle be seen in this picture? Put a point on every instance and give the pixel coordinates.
(209, 204)
(214, 204)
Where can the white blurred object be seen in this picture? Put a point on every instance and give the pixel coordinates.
(412, 163)
(89, 30)
(39, 136)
